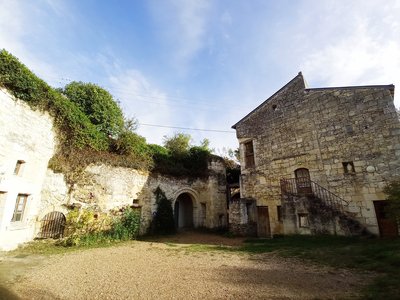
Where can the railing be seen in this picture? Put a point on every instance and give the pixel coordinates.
(304, 186)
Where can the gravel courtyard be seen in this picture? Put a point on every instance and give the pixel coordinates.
(161, 270)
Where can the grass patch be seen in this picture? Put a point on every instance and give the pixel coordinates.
(381, 256)
(50, 247)
(377, 255)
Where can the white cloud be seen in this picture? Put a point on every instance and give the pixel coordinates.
(363, 48)
(17, 24)
(184, 24)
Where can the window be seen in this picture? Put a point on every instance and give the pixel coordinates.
(19, 207)
(18, 167)
(303, 220)
(249, 154)
(279, 213)
(348, 167)
(203, 214)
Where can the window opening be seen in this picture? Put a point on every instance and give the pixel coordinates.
(348, 167)
(249, 154)
(18, 167)
(19, 207)
(303, 220)
(279, 213)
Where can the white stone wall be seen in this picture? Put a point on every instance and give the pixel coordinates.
(28, 135)
(25, 135)
(106, 187)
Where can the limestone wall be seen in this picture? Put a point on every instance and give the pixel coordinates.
(321, 130)
(26, 136)
(105, 187)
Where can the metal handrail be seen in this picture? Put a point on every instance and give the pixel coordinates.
(304, 186)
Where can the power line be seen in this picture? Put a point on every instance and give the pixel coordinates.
(186, 128)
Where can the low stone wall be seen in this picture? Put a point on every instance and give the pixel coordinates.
(105, 187)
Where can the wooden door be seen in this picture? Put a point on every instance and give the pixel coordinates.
(387, 227)
(303, 181)
(263, 229)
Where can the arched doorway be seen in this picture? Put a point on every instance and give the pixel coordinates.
(303, 181)
(53, 225)
(183, 211)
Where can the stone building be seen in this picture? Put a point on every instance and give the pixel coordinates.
(315, 160)
(31, 193)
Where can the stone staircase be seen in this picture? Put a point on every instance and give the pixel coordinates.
(327, 213)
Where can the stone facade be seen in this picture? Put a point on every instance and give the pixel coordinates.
(105, 188)
(347, 139)
(28, 142)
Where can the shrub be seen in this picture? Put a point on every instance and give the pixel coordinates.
(127, 226)
(163, 221)
(86, 227)
(98, 105)
(91, 129)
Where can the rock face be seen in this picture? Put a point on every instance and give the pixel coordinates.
(29, 191)
(106, 187)
(347, 140)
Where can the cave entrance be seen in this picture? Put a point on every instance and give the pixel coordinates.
(183, 211)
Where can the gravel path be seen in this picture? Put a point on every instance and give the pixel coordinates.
(149, 270)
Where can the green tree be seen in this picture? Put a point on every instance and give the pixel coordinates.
(393, 192)
(163, 221)
(98, 105)
(178, 144)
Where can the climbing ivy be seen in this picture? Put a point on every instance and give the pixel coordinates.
(91, 128)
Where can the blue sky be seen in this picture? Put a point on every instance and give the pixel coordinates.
(203, 64)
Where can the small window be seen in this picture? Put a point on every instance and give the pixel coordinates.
(349, 129)
(249, 154)
(19, 207)
(303, 220)
(348, 167)
(18, 167)
(279, 213)
(203, 214)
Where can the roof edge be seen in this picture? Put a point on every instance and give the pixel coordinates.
(353, 87)
(299, 75)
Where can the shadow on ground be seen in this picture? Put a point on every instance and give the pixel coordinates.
(190, 236)
(5, 293)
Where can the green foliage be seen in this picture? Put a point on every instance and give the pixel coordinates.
(86, 227)
(91, 128)
(127, 226)
(74, 127)
(178, 144)
(163, 221)
(98, 105)
(178, 159)
(393, 192)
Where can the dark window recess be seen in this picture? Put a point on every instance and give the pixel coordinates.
(303, 220)
(249, 154)
(348, 167)
(279, 212)
(19, 208)
(18, 167)
(274, 107)
(349, 129)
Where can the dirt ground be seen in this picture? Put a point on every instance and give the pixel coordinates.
(166, 269)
